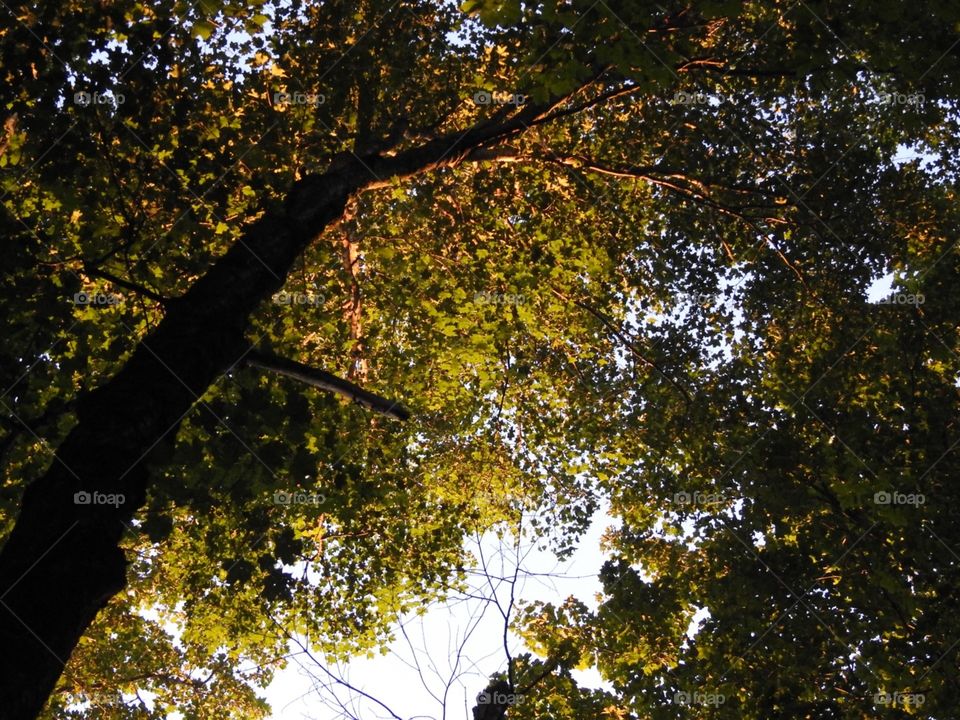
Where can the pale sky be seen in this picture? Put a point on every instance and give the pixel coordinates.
(434, 638)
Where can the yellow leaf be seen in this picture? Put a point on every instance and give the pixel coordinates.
(203, 29)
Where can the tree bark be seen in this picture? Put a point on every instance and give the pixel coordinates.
(62, 562)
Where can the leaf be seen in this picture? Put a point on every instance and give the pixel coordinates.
(203, 29)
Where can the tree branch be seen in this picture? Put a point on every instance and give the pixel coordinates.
(304, 648)
(326, 381)
(61, 549)
(120, 282)
(607, 323)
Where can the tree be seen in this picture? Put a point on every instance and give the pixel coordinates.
(191, 189)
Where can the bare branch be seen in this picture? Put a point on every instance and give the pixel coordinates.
(339, 681)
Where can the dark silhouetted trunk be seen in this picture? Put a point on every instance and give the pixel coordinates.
(62, 562)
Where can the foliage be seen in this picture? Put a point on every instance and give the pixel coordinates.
(659, 299)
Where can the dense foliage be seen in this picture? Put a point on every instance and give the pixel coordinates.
(658, 297)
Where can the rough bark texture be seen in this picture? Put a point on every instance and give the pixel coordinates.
(62, 563)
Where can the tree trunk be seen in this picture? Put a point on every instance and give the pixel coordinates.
(62, 563)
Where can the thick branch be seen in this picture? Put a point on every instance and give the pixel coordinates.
(326, 381)
(62, 562)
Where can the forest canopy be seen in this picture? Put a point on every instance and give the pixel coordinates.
(300, 296)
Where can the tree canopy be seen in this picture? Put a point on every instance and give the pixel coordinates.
(560, 254)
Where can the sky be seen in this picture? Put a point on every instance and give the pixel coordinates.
(432, 641)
